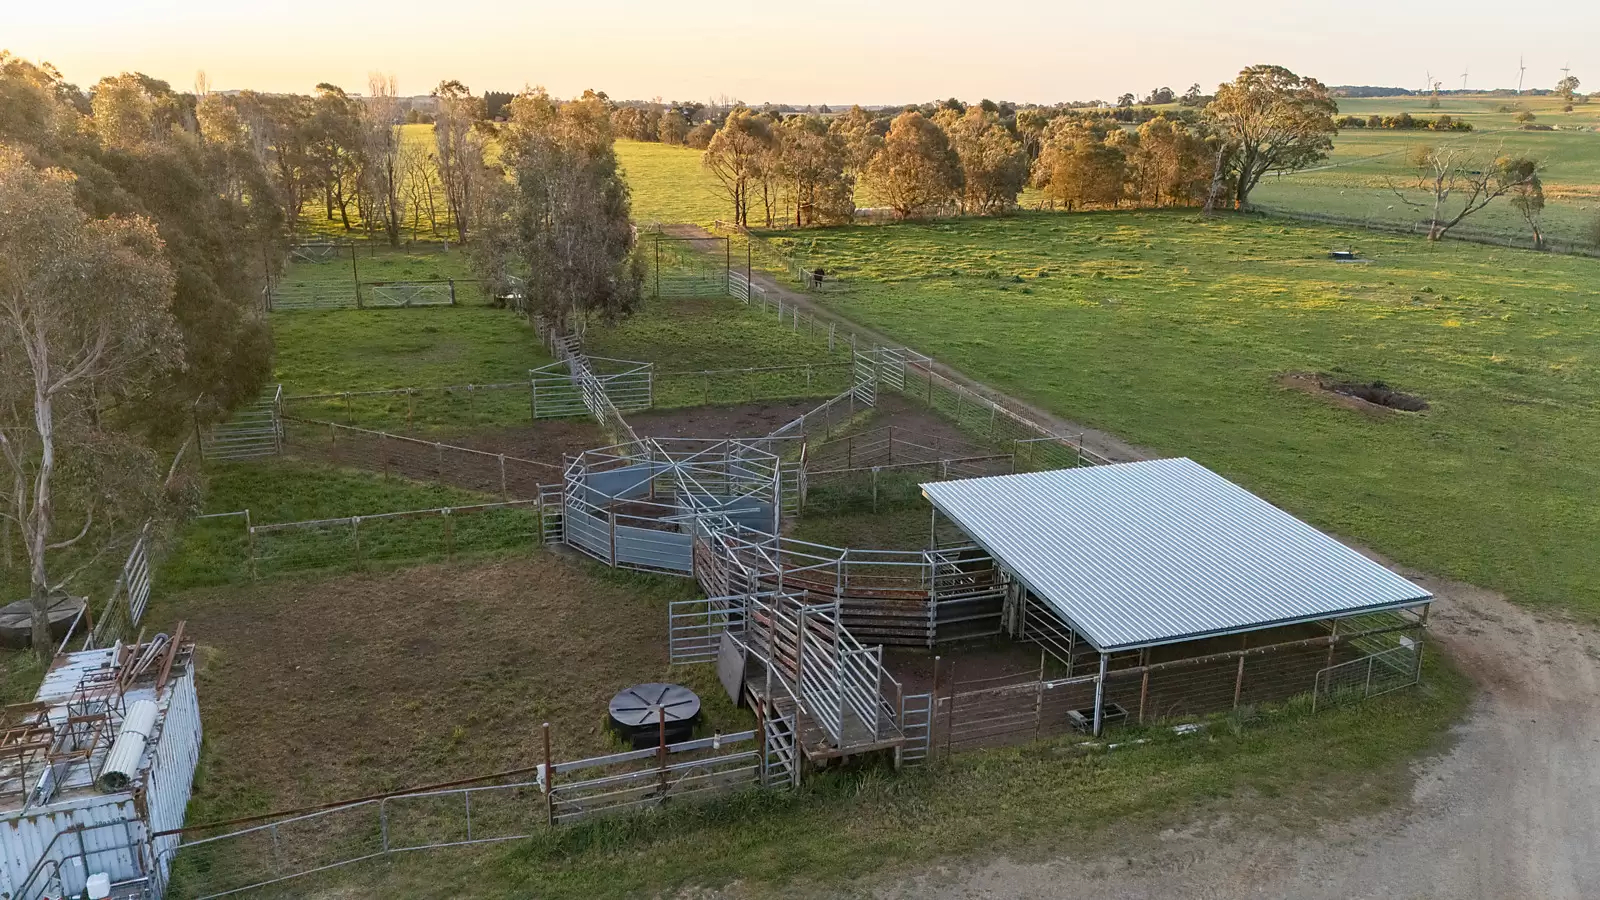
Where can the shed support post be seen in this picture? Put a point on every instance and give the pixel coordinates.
(1238, 679)
(1100, 695)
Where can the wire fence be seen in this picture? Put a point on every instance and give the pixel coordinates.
(227, 858)
(1467, 233)
(720, 387)
(510, 477)
(356, 543)
(464, 405)
(1317, 664)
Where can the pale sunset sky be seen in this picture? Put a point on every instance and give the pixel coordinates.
(820, 51)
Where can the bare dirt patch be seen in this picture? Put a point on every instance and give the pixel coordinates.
(1372, 397)
(548, 440)
(321, 689)
(721, 422)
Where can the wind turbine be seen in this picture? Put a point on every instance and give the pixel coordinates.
(1522, 69)
(1463, 78)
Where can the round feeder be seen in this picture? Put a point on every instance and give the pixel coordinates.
(639, 713)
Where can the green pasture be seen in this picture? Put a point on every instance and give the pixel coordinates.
(1171, 331)
(1367, 166)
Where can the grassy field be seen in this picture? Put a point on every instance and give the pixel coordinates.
(1172, 331)
(415, 224)
(669, 184)
(211, 552)
(1356, 181)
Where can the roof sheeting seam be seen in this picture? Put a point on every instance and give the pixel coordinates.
(1143, 553)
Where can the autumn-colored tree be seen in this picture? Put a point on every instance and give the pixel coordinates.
(862, 135)
(812, 160)
(699, 137)
(735, 158)
(85, 316)
(916, 172)
(673, 129)
(1170, 164)
(994, 167)
(1078, 167)
(1270, 120)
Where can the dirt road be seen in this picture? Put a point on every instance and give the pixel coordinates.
(1512, 812)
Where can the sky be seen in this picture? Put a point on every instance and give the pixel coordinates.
(820, 51)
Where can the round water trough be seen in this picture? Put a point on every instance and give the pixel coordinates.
(639, 713)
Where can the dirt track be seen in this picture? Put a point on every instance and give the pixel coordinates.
(1512, 812)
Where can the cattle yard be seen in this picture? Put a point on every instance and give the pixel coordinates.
(761, 534)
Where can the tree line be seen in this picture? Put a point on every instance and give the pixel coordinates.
(138, 225)
(950, 158)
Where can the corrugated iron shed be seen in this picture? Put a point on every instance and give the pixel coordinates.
(1138, 554)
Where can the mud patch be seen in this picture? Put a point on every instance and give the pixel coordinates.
(1371, 397)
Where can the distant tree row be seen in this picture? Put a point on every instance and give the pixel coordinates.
(948, 157)
(1406, 122)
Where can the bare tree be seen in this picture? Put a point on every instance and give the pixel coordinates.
(85, 313)
(417, 167)
(1444, 173)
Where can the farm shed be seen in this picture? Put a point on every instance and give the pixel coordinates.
(95, 769)
(1178, 592)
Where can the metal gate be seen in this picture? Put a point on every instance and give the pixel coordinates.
(866, 386)
(254, 431)
(916, 723)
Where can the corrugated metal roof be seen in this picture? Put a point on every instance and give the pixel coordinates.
(1145, 553)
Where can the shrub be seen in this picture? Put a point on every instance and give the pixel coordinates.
(700, 136)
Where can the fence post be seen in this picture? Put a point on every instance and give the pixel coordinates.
(355, 530)
(611, 514)
(1038, 698)
(355, 274)
(452, 291)
(661, 752)
(503, 492)
(250, 531)
(1238, 679)
(449, 534)
(549, 780)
